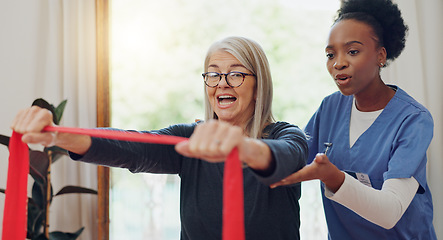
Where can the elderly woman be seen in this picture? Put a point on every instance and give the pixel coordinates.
(238, 98)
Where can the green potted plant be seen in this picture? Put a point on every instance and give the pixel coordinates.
(42, 192)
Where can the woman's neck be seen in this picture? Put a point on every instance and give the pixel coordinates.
(374, 100)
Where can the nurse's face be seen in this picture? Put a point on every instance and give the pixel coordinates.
(354, 57)
(233, 105)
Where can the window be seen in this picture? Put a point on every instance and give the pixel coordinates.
(158, 49)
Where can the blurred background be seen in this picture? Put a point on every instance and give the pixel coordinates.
(158, 49)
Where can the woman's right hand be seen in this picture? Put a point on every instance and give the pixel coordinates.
(30, 122)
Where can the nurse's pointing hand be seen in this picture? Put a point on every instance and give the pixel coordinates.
(321, 168)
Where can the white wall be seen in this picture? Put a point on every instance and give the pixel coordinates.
(18, 66)
(47, 49)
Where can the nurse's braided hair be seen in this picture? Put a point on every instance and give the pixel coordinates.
(384, 17)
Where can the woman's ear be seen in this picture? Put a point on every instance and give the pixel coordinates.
(381, 59)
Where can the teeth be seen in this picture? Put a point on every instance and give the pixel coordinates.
(225, 103)
(224, 99)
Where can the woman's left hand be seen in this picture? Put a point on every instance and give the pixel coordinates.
(212, 141)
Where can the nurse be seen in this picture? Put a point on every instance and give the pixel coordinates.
(374, 173)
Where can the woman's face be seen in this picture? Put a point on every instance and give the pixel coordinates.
(233, 105)
(354, 57)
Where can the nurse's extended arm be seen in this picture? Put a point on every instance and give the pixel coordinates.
(383, 207)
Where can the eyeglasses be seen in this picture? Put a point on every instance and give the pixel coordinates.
(234, 79)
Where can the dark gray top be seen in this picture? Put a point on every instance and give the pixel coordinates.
(269, 213)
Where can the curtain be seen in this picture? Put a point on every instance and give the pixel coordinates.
(418, 71)
(48, 51)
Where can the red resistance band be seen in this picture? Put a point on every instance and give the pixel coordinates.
(14, 217)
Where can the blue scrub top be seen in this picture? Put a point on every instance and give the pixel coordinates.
(394, 146)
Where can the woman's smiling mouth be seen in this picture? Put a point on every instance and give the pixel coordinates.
(224, 100)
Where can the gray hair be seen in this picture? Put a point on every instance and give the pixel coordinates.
(252, 56)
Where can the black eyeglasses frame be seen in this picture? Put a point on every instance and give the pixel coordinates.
(226, 78)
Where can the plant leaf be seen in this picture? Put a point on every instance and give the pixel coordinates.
(57, 152)
(75, 189)
(40, 237)
(4, 140)
(35, 224)
(38, 195)
(36, 175)
(38, 163)
(65, 236)
(59, 111)
(44, 104)
(35, 219)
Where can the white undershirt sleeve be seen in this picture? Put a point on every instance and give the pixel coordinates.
(382, 207)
